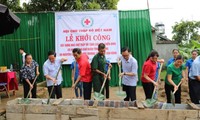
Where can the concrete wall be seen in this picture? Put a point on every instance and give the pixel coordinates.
(165, 50)
(82, 110)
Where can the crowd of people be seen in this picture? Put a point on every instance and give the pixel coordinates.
(86, 76)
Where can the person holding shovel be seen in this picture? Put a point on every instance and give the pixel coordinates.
(52, 73)
(188, 67)
(98, 66)
(175, 76)
(85, 75)
(194, 78)
(107, 80)
(149, 73)
(129, 74)
(29, 72)
(79, 86)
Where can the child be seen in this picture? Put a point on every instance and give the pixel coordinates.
(75, 73)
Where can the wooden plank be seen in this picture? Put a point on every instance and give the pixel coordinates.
(139, 104)
(193, 106)
(58, 101)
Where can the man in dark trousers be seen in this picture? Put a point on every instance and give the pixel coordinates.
(99, 68)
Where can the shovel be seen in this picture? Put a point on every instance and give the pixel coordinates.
(153, 100)
(120, 93)
(26, 100)
(172, 95)
(48, 101)
(99, 96)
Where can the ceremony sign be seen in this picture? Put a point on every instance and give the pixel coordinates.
(85, 30)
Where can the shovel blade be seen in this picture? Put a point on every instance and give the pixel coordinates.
(98, 96)
(172, 98)
(24, 101)
(121, 93)
(149, 103)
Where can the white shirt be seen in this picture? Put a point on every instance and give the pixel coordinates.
(130, 66)
(23, 58)
(51, 69)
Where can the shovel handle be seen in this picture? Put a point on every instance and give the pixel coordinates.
(48, 101)
(104, 80)
(32, 84)
(154, 91)
(161, 64)
(178, 87)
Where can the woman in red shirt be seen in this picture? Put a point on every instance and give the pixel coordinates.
(148, 74)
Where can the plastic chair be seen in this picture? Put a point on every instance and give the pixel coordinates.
(4, 85)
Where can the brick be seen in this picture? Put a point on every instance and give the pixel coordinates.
(100, 103)
(106, 103)
(91, 102)
(132, 104)
(112, 104)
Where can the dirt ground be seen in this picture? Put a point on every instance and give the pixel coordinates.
(68, 93)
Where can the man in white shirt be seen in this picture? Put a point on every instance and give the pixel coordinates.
(129, 74)
(21, 51)
(50, 69)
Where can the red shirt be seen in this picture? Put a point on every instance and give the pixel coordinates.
(84, 68)
(149, 68)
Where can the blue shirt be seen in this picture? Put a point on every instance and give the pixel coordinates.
(189, 63)
(107, 65)
(171, 60)
(129, 66)
(195, 69)
(77, 71)
(51, 69)
(157, 70)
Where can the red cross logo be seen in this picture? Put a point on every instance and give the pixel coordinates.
(87, 21)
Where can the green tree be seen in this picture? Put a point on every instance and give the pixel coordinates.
(69, 5)
(13, 5)
(184, 31)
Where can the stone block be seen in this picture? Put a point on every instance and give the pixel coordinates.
(87, 111)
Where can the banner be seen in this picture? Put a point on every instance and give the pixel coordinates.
(85, 30)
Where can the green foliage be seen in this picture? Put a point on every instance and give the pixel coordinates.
(13, 5)
(185, 50)
(186, 31)
(60, 5)
(69, 5)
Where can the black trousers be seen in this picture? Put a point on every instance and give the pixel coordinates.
(107, 88)
(57, 91)
(195, 91)
(27, 88)
(87, 89)
(148, 89)
(169, 89)
(130, 92)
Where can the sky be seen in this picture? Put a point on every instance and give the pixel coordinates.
(166, 11)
